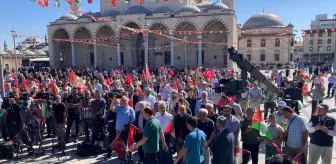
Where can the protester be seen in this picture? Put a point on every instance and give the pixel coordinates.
(193, 147)
(322, 129)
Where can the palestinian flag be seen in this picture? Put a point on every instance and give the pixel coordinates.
(240, 153)
(300, 105)
(259, 124)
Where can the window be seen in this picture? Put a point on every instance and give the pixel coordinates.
(248, 57)
(7, 66)
(311, 34)
(178, 57)
(276, 57)
(320, 34)
(291, 57)
(249, 43)
(328, 48)
(90, 47)
(277, 42)
(263, 43)
(329, 33)
(311, 42)
(92, 59)
(167, 58)
(319, 41)
(110, 58)
(292, 42)
(262, 57)
(121, 58)
(310, 48)
(202, 56)
(295, 50)
(319, 48)
(329, 41)
(215, 57)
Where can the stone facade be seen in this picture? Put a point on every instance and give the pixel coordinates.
(203, 25)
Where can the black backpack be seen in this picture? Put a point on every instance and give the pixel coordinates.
(6, 151)
(87, 150)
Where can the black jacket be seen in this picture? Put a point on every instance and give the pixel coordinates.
(223, 148)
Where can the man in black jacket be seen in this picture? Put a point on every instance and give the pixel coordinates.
(180, 126)
(223, 144)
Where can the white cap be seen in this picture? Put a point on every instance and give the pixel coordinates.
(282, 104)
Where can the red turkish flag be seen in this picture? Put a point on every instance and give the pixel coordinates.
(113, 2)
(90, 1)
(257, 116)
(69, 1)
(209, 74)
(169, 128)
(130, 138)
(118, 146)
(139, 2)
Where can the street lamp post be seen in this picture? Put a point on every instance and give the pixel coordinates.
(2, 88)
(13, 32)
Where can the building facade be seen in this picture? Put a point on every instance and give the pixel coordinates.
(298, 51)
(266, 40)
(320, 39)
(133, 35)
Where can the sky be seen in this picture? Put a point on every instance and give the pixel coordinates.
(29, 19)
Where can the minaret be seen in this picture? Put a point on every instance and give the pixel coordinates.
(76, 7)
(229, 3)
(5, 46)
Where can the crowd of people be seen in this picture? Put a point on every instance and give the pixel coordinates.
(166, 111)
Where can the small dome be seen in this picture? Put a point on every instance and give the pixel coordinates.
(290, 25)
(28, 52)
(138, 9)
(111, 13)
(40, 52)
(204, 4)
(68, 17)
(188, 8)
(86, 15)
(216, 6)
(163, 9)
(263, 20)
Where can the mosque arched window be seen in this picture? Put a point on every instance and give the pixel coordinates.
(277, 42)
(249, 43)
(263, 43)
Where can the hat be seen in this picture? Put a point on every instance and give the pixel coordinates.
(203, 82)
(148, 89)
(323, 106)
(282, 104)
(173, 91)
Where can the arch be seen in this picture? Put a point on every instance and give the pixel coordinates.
(185, 25)
(60, 55)
(158, 57)
(60, 33)
(82, 32)
(215, 24)
(104, 28)
(263, 42)
(106, 51)
(158, 25)
(132, 24)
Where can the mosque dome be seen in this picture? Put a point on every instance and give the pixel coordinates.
(68, 17)
(163, 9)
(216, 6)
(138, 9)
(204, 4)
(263, 20)
(28, 52)
(188, 8)
(40, 52)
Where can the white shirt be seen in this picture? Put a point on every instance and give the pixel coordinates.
(151, 100)
(319, 80)
(165, 90)
(165, 120)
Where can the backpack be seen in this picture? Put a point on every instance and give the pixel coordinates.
(87, 150)
(6, 151)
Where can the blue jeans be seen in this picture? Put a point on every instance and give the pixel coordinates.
(165, 157)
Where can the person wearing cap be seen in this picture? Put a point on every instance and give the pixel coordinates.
(202, 102)
(223, 143)
(280, 119)
(322, 129)
(149, 98)
(296, 135)
(317, 95)
(172, 101)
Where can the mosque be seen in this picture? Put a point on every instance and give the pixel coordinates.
(173, 33)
